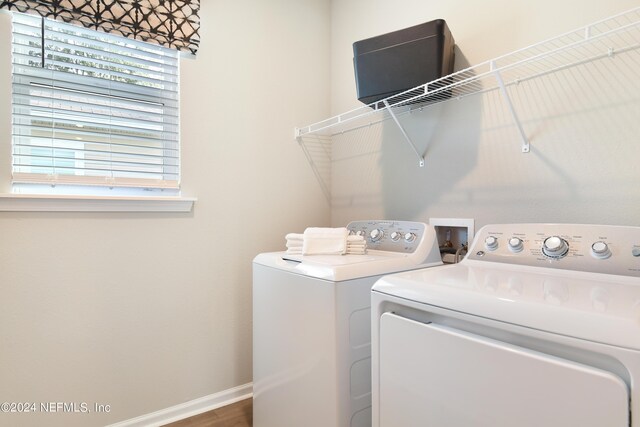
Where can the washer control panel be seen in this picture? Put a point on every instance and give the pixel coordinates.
(391, 236)
(592, 248)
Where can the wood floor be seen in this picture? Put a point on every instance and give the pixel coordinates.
(235, 415)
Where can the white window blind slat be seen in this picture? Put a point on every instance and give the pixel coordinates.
(97, 109)
(100, 105)
(115, 58)
(89, 180)
(101, 161)
(139, 152)
(91, 117)
(27, 75)
(78, 141)
(23, 123)
(75, 67)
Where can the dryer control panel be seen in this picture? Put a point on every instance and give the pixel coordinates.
(390, 236)
(591, 248)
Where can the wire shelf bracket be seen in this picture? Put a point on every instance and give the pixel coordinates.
(507, 99)
(404, 133)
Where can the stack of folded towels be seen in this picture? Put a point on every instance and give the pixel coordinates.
(325, 241)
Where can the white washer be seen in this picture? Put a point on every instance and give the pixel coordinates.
(312, 326)
(538, 326)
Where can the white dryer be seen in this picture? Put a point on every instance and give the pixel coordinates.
(538, 326)
(312, 326)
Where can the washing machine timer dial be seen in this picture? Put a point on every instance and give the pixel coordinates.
(555, 247)
(376, 234)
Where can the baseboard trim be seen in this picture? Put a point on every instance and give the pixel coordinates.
(191, 408)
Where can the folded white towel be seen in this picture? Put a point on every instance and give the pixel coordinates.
(355, 251)
(356, 241)
(294, 241)
(356, 245)
(325, 241)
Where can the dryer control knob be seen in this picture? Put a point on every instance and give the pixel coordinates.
(375, 234)
(600, 250)
(555, 247)
(515, 245)
(395, 236)
(491, 243)
(409, 237)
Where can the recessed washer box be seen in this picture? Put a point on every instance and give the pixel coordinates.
(398, 61)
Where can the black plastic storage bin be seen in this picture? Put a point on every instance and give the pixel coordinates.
(395, 62)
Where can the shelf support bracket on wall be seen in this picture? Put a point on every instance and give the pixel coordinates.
(505, 95)
(404, 133)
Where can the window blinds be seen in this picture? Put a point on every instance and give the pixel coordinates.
(91, 108)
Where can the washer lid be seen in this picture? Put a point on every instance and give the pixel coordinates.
(595, 307)
(337, 268)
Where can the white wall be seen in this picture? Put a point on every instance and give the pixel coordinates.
(582, 124)
(146, 311)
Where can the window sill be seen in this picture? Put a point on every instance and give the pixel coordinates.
(63, 203)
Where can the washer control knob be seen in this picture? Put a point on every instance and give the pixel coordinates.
(515, 245)
(409, 237)
(555, 247)
(491, 243)
(395, 236)
(375, 234)
(360, 233)
(635, 252)
(600, 250)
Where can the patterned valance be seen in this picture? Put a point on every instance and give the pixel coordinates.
(171, 23)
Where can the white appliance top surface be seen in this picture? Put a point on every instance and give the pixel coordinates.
(342, 267)
(584, 301)
(384, 255)
(342, 260)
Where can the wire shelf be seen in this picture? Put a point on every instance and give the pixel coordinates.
(597, 41)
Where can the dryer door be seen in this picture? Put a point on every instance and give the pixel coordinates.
(432, 375)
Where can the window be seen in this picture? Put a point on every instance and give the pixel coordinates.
(92, 109)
